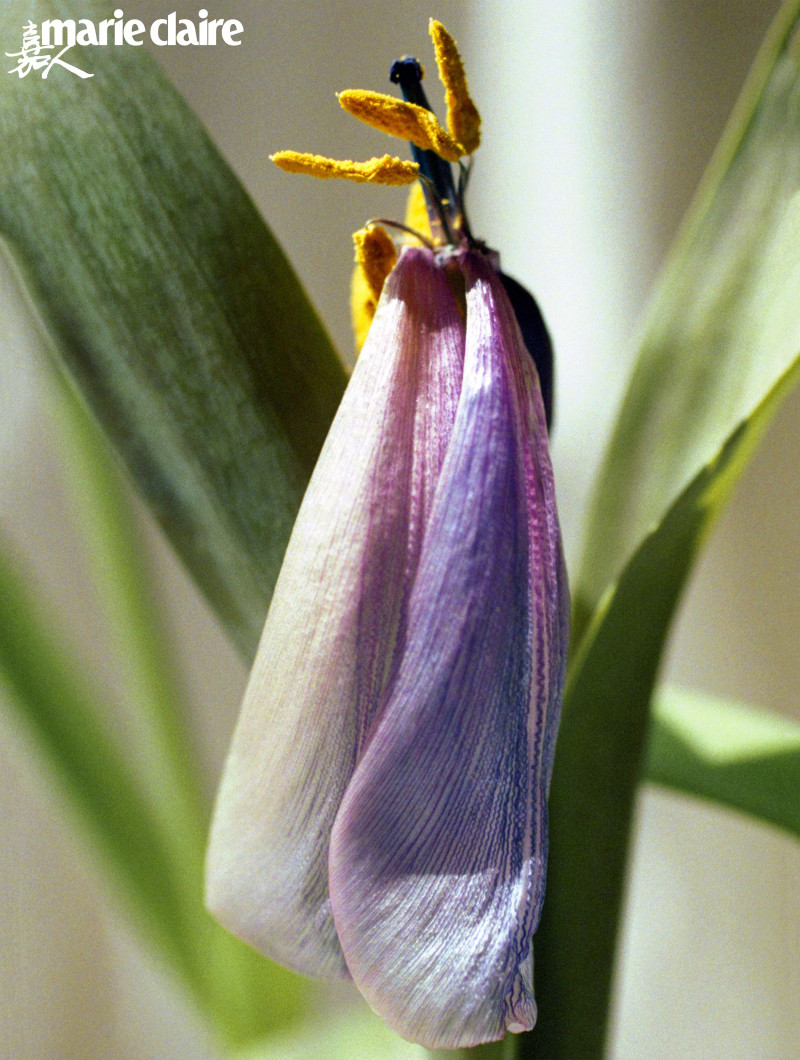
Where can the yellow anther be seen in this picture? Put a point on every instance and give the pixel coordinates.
(386, 170)
(398, 118)
(417, 214)
(376, 256)
(375, 259)
(362, 307)
(463, 119)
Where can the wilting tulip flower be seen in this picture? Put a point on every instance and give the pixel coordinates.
(383, 811)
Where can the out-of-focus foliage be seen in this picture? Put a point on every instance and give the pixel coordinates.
(170, 304)
(185, 332)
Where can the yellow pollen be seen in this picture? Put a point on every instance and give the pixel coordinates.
(417, 214)
(386, 170)
(463, 119)
(405, 120)
(362, 307)
(375, 259)
(376, 256)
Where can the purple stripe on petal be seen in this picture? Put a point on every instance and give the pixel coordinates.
(336, 624)
(438, 852)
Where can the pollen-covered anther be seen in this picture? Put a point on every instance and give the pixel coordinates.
(375, 258)
(362, 308)
(404, 120)
(463, 119)
(385, 170)
(375, 255)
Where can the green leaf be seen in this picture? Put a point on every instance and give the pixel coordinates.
(182, 325)
(124, 584)
(719, 352)
(598, 758)
(66, 719)
(599, 753)
(506, 1049)
(740, 757)
(720, 327)
(169, 303)
(356, 1034)
(158, 879)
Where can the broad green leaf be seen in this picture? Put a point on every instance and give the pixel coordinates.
(721, 326)
(170, 305)
(738, 756)
(599, 754)
(719, 352)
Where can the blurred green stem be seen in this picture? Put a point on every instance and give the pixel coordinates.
(124, 584)
(243, 994)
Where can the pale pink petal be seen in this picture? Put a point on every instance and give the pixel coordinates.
(337, 625)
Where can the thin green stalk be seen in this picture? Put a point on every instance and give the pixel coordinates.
(242, 995)
(68, 723)
(240, 992)
(124, 585)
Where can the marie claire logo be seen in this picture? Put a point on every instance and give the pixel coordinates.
(45, 49)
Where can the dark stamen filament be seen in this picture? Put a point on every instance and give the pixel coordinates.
(436, 175)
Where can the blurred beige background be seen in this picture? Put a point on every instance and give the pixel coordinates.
(598, 119)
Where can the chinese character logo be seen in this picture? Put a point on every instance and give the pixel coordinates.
(34, 55)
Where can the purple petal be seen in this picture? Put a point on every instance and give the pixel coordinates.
(438, 851)
(336, 625)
